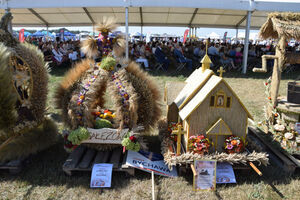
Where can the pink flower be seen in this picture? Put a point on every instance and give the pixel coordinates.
(229, 146)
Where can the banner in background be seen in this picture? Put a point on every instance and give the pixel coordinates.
(21, 35)
(62, 34)
(224, 37)
(186, 32)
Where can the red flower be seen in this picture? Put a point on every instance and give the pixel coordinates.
(201, 137)
(132, 138)
(266, 83)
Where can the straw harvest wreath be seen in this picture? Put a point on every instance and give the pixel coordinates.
(23, 94)
(80, 95)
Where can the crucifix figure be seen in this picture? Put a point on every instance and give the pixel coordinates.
(178, 132)
(221, 70)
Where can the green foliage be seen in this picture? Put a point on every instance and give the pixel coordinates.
(108, 63)
(78, 135)
(133, 146)
(103, 123)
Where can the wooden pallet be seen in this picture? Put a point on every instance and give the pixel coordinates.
(13, 167)
(83, 159)
(277, 157)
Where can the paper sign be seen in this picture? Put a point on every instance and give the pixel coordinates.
(149, 161)
(101, 175)
(297, 127)
(225, 173)
(105, 136)
(205, 178)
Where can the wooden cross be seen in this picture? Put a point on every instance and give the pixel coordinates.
(221, 70)
(178, 132)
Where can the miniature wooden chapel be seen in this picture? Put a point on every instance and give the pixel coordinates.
(208, 105)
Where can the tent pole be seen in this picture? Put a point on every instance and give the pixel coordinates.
(236, 35)
(126, 25)
(141, 33)
(9, 25)
(93, 30)
(47, 27)
(246, 43)
(195, 32)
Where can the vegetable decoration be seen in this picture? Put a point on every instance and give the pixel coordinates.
(199, 144)
(234, 144)
(103, 123)
(78, 135)
(131, 143)
(108, 63)
(68, 146)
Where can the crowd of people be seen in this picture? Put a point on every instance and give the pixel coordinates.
(172, 52)
(168, 53)
(60, 53)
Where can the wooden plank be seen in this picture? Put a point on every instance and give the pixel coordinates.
(74, 158)
(87, 158)
(3, 165)
(106, 156)
(14, 163)
(292, 158)
(115, 157)
(105, 136)
(99, 157)
(287, 164)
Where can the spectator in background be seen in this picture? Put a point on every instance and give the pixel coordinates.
(161, 57)
(224, 59)
(73, 56)
(238, 56)
(212, 50)
(58, 56)
(181, 58)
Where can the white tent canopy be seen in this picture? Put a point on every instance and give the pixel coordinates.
(250, 14)
(213, 35)
(192, 13)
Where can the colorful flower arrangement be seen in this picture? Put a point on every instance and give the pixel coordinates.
(234, 144)
(124, 95)
(172, 127)
(131, 143)
(105, 114)
(199, 144)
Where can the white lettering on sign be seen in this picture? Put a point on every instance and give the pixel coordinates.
(105, 136)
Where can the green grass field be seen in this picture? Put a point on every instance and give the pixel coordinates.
(43, 177)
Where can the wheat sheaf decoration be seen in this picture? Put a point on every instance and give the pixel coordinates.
(23, 93)
(86, 88)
